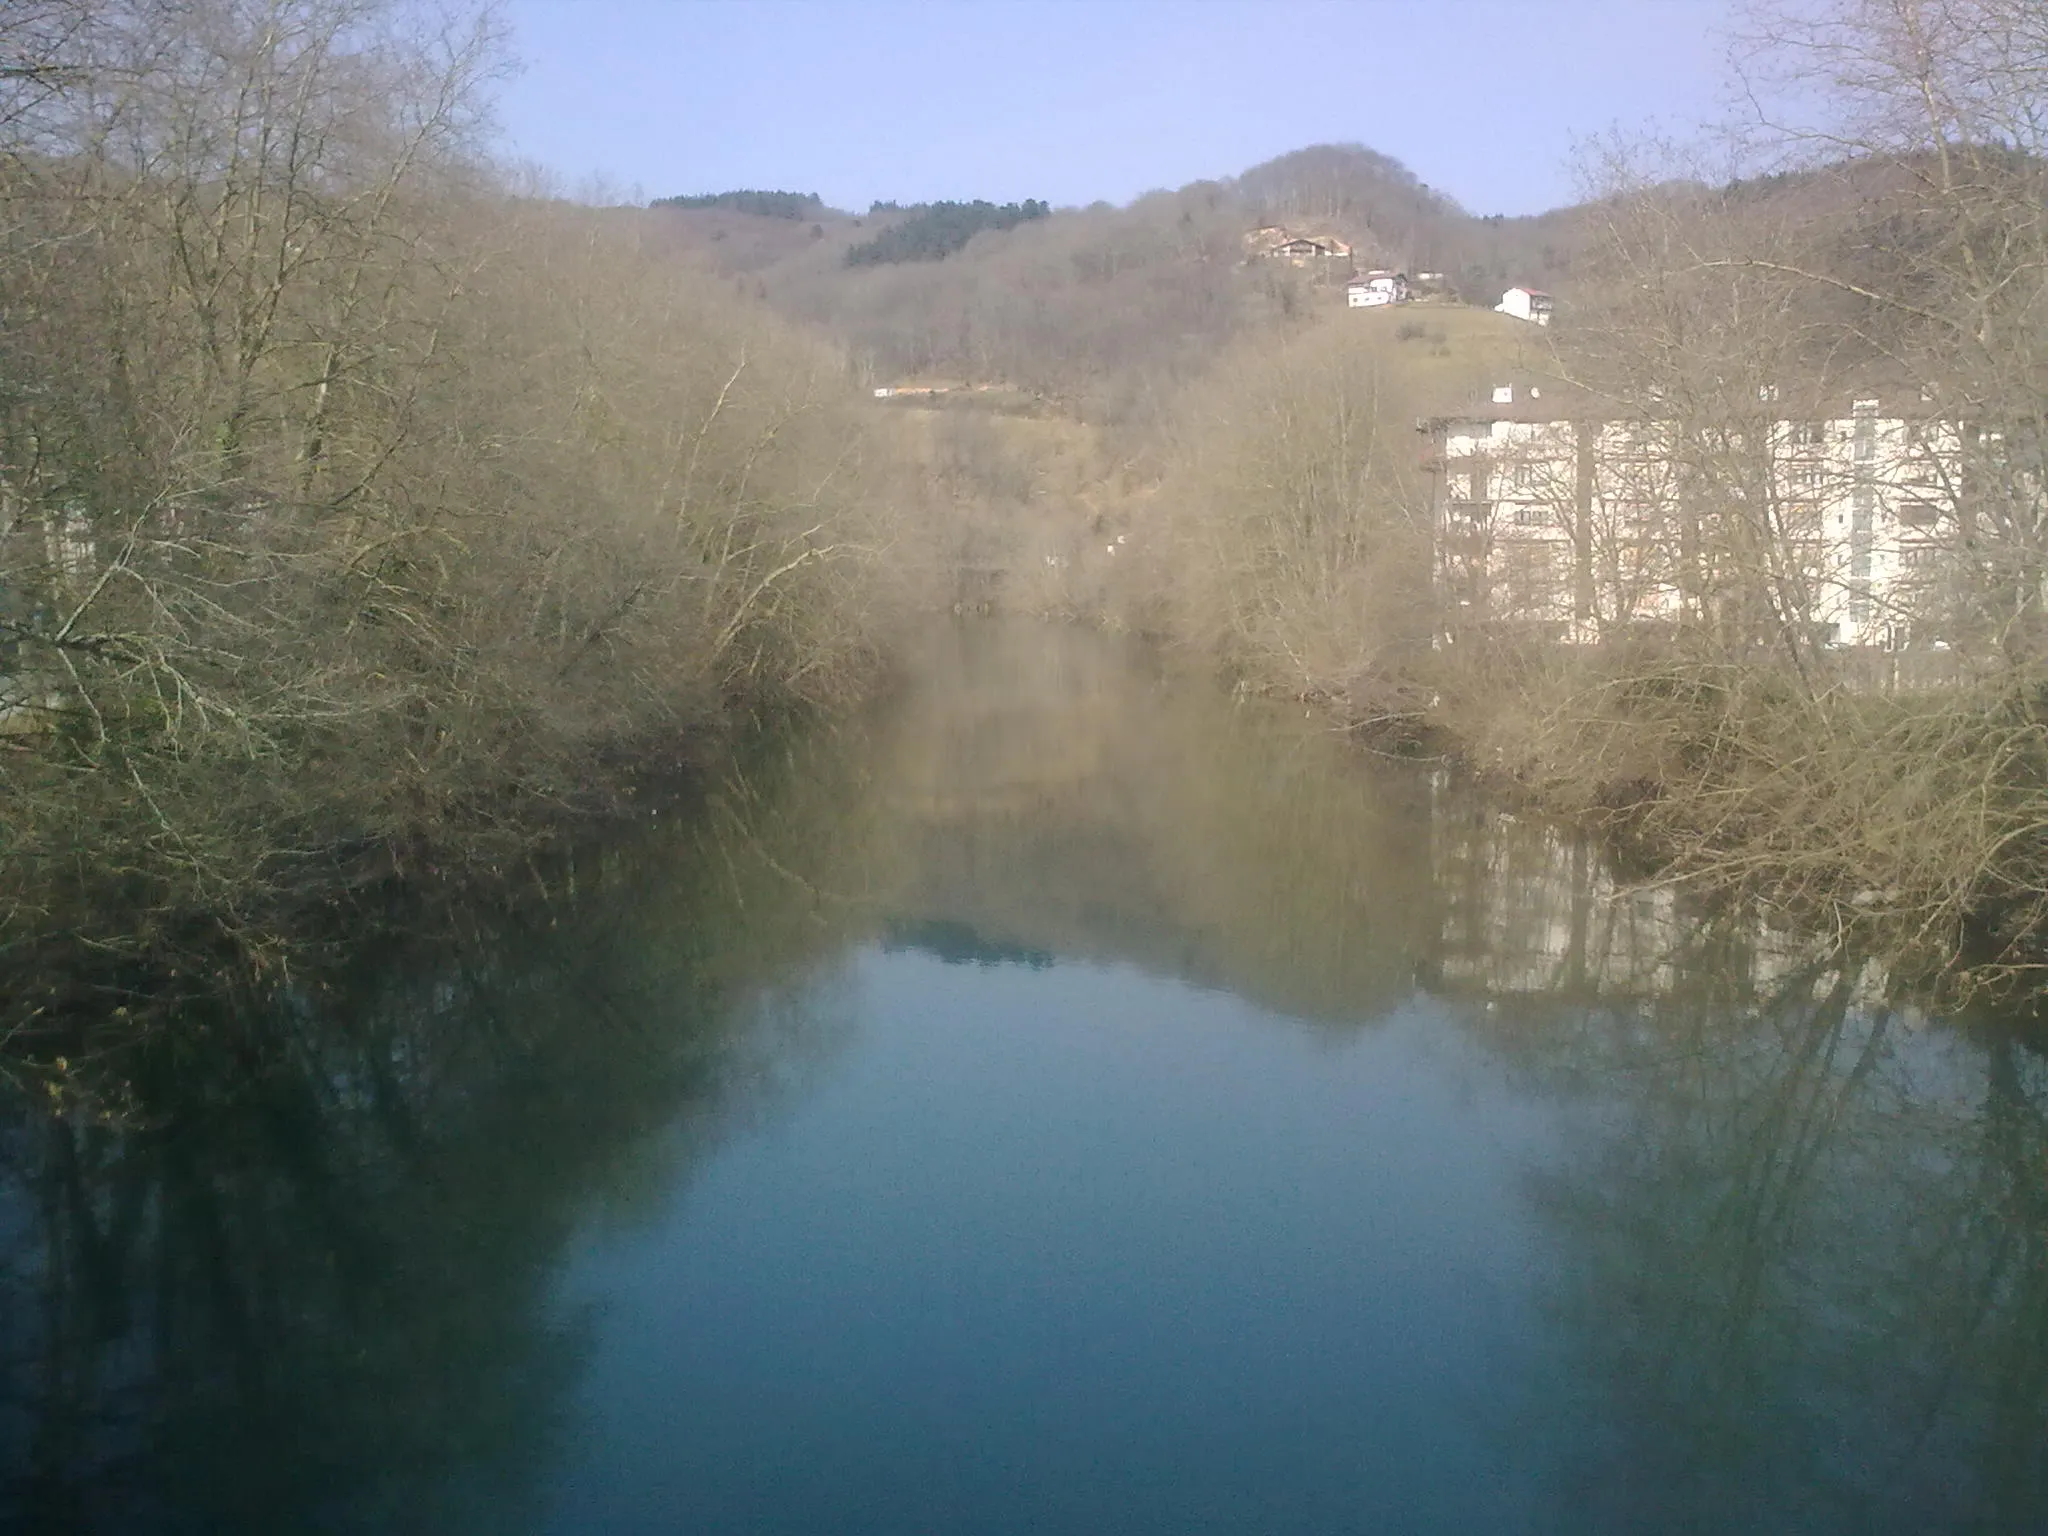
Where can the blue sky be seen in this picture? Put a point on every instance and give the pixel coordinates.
(1074, 101)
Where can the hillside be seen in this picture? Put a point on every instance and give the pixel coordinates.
(1107, 310)
(740, 244)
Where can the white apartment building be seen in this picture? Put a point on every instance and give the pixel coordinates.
(1576, 527)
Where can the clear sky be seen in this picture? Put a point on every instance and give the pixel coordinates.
(1078, 100)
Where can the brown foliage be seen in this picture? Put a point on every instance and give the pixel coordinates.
(1298, 520)
(349, 501)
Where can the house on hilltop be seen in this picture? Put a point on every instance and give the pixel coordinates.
(1275, 242)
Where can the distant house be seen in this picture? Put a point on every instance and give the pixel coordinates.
(1531, 304)
(1277, 243)
(1376, 289)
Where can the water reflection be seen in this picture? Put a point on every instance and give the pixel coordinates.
(293, 1273)
(1808, 1262)
(958, 944)
(301, 1272)
(1067, 793)
(1807, 1286)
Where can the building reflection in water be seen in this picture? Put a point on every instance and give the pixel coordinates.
(1805, 1226)
(296, 1271)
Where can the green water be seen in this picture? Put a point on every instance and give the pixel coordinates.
(1065, 1101)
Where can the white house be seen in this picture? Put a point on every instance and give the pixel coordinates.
(1376, 289)
(1531, 304)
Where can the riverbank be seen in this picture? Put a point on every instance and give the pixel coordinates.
(1915, 814)
(1917, 824)
(414, 518)
(1646, 663)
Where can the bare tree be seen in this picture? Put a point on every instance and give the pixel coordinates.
(348, 500)
(1300, 527)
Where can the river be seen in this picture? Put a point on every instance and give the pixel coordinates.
(1067, 1099)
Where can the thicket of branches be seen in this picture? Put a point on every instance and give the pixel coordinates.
(1295, 528)
(1900, 251)
(349, 506)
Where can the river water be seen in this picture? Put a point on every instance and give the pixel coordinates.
(1068, 1100)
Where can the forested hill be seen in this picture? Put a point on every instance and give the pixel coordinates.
(769, 205)
(1105, 311)
(1104, 308)
(933, 231)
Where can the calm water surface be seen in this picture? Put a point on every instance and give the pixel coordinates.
(1066, 1102)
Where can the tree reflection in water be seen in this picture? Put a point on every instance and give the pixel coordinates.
(299, 1276)
(1804, 1230)
(1800, 1229)
(301, 1273)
